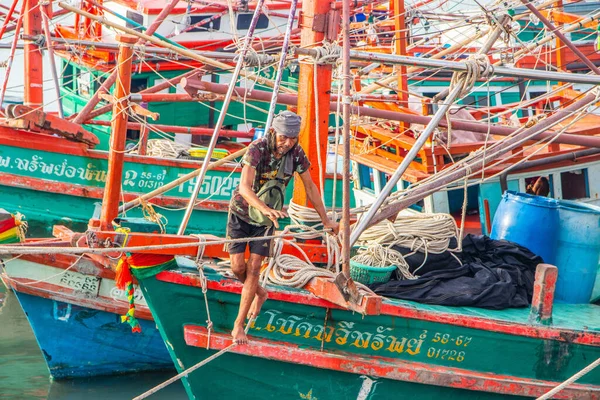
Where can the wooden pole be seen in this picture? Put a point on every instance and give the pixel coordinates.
(400, 40)
(32, 25)
(313, 129)
(346, 102)
(112, 191)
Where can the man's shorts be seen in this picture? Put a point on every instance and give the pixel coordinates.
(237, 228)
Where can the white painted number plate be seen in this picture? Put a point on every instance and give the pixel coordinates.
(81, 283)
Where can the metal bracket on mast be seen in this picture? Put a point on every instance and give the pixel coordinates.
(348, 289)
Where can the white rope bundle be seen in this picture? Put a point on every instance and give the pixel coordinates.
(288, 270)
(329, 53)
(301, 215)
(377, 255)
(165, 148)
(425, 233)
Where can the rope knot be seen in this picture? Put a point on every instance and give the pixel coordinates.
(477, 66)
(329, 53)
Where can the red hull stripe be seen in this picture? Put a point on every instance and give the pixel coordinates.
(387, 368)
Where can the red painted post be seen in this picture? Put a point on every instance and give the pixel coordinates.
(32, 26)
(112, 191)
(314, 18)
(543, 294)
(143, 143)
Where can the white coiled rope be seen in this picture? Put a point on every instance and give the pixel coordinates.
(289, 270)
(425, 233)
(165, 148)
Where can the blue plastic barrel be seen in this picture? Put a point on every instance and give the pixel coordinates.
(528, 220)
(578, 251)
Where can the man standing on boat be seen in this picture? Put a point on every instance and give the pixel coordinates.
(256, 205)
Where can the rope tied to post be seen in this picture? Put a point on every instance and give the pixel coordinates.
(478, 66)
(327, 54)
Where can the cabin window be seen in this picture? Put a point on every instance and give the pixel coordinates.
(475, 101)
(244, 20)
(68, 76)
(213, 25)
(575, 184)
(83, 83)
(138, 21)
(138, 84)
(539, 185)
(365, 175)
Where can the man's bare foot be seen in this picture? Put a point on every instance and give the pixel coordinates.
(259, 300)
(239, 336)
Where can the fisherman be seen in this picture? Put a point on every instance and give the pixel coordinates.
(256, 206)
(541, 187)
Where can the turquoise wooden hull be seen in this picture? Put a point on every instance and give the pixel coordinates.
(51, 185)
(406, 335)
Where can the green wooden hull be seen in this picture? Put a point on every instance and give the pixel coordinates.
(296, 320)
(50, 186)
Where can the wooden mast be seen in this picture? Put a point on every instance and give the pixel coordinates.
(112, 191)
(32, 26)
(400, 39)
(316, 14)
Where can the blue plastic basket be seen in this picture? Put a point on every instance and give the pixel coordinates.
(368, 275)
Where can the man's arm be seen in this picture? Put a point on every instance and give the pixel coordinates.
(246, 181)
(315, 198)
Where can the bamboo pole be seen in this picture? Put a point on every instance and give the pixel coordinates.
(480, 161)
(7, 20)
(346, 101)
(11, 55)
(387, 81)
(420, 142)
(556, 32)
(288, 99)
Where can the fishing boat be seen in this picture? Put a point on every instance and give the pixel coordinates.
(328, 340)
(52, 162)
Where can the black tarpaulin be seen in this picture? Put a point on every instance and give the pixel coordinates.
(495, 274)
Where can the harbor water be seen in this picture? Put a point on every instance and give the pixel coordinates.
(23, 372)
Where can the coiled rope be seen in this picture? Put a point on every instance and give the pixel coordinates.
(425, 233)
(288, 270)
(165, 148)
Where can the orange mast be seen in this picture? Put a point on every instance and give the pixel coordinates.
(112, 191)
(32, 26)
(315, 13)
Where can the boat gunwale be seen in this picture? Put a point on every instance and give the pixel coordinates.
(410, 310)
(385, 367)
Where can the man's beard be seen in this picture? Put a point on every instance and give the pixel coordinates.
(282, 151)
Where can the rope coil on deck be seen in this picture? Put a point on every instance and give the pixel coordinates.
(425, 233)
